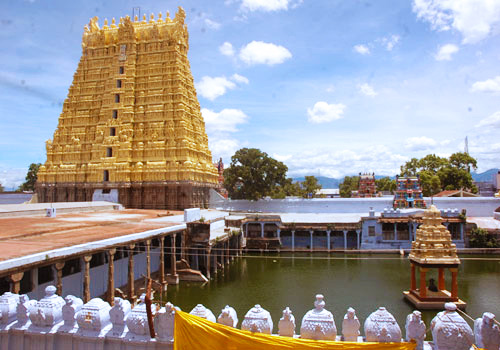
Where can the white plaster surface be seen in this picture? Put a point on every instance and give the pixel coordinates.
(192, 214)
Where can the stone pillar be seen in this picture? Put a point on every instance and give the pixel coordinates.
(183, 245)
(227, 251)
(162, 260)
(345, 239)
(148, 258)
(413, 283)
(278, 232)
(328, 238)
(262, 229)
(131, 276)
(395, 231)
(441, 284)
(173, 258)
(358, 242)
(207, 262)
(311, 240)
(461, 231)
(454, 283)
(86, 278)
(59, 266)
(293, 239)
(15, 280)
(111, 276)
(423, 285)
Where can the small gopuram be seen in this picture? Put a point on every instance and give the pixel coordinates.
(131, 128)
(433, 249)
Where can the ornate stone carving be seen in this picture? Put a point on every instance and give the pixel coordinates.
(137, 321)
(382, 327)
(415, 329)
(450, 331)
(23, 311)
(286, 325)
(8, 306)
(228, 317)
(350, 326)
(117, 316)
(486, 332)
(164, 323)
(257, 320)
(93, 317)
(318, 323)
(48, 311)
(201, 311)
(70, 309)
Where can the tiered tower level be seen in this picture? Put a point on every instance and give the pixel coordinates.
(131, 124)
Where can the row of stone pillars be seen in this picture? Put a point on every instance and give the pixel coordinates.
(328, 238)
(223, 255)
(16, 278)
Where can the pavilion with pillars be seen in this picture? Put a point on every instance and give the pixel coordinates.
(433, 249)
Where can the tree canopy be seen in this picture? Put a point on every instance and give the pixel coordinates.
(438, 173)
(1, 188)
(31, 176)
(350, 183)
(385, 184)
(253, 175)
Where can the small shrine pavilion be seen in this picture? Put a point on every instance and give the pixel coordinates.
(433, 249)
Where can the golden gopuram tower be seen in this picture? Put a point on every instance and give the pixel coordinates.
(131, 127)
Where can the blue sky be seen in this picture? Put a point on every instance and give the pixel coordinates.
(328, 87)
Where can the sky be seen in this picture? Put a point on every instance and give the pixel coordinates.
(328, 87)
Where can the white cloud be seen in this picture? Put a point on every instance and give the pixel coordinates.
(258, 52)
(445, 52)
(491, 121)
(264, 5)
(223, 147)
(226, 49)
(330, 88)
(239, 79)
(11, 177)
(224, 121)
(213, 87)
(419, 143)
(212, 24)
(362, 49)
(490, 85)
(390, 42)
(474, 19)
(282, 157)
(323, 112)
(444, 142)
(367, 90)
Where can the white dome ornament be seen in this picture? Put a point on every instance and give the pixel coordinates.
(487, 333)
(201, 311)
(450, 331)
(228, 317)
(381, 327)
(257, 320)
(318, 323)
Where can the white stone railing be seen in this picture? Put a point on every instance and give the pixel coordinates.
(54, 323)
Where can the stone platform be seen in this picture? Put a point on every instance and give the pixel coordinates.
(428, 304)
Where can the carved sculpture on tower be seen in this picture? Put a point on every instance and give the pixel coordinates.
(131, 128)
(433, 249)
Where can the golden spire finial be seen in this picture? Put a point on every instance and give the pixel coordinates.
(152, 18)
(160, 17)
(105, 23)
(144, 18)
(113, 23)
(136, 18)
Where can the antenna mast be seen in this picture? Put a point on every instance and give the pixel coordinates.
(466, 148)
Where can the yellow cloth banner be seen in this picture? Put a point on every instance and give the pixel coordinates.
(195, 333)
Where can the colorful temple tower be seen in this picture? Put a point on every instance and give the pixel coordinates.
(366, 187)
(131, 126)
(408, 193)
(220, 180)
(433, 249)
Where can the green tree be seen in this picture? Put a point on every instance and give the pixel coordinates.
(385, 184)
(253, 175)
(1, 188)
(438, 173)
(350, 183)
(310, 186)
(480, 238)
(31, 176)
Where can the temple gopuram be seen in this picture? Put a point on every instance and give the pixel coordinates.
(408, 193)
(131, 128)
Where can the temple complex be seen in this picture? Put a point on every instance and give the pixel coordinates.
(366, 187)
(131, 129)
(433, 249)
(408, 193)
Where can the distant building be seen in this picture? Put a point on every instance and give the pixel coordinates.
(486, 188)
(327, 193)
(456, 193)
(220, 185)
(366, 187)
(408, 193)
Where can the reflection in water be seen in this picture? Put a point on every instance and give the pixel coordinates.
(363, 281)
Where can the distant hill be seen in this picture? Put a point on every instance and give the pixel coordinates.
(330, 182)
(487, 176)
